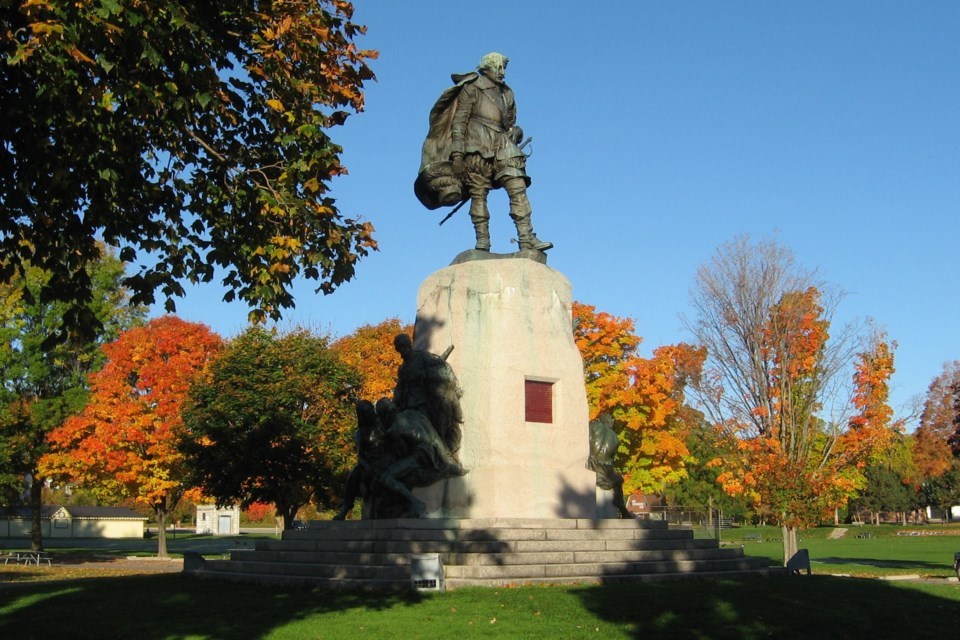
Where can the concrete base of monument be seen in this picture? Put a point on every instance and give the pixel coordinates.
(605, 506)
(525, 430)
(495, 552)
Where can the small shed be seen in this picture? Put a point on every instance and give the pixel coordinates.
(73, 521)
(640, 503)
(212, 519)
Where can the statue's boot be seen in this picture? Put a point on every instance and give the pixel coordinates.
(480, 217)
(482, 229)
(516, 189)
(528, 239)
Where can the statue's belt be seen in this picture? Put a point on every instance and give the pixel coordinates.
(487, 122)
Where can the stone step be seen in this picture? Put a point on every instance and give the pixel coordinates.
(483, 546)
(482, 535)
(377, 554)
(764, 572)
(318, 582)
(338, 571)
(459, 557)
(403, 584)
(573, 571)
(472, 524)
(570, 571)
(588, 557)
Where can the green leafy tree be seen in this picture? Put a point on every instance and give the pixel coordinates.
(41, 387)
(191, 136)
(884, 491)
(943, 492)
(271, 421)
(700, 487)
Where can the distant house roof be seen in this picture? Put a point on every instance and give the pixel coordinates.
(49, 511)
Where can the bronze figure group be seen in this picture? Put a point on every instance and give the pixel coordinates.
(474, 145)
(407, 442)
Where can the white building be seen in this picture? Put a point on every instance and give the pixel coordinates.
(73, 522)
(224, 521)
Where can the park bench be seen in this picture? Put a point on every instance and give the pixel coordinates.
(752, 537)
(865, 534)
(27, 557)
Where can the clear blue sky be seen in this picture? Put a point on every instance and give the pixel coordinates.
(663, 130)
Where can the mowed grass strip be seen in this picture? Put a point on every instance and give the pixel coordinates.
(84, 602)
(169, 606)
(884, 550)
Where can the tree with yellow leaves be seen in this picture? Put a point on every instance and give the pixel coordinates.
(645, 396)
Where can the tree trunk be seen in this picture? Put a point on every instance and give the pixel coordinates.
(789, 542)
(36, 502)
(161, 513)
(288, 513)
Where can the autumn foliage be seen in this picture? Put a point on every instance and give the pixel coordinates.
(369, 350)
(192, 136)
(124, 443)
(644, 395)
(939, 423)
(790, 460)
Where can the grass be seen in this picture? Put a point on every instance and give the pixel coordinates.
(175, 606)
(884, 553)
(169, 606)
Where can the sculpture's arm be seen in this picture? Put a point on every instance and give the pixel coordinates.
(510, 115)
(461, 118)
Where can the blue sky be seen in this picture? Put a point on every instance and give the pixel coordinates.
(661, 131)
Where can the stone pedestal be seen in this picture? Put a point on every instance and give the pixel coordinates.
(525, 434)
(605, 507)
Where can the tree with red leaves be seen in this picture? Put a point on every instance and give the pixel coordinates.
(125, 442)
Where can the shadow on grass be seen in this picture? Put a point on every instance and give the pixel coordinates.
(177, 606)
(878, 562)
(170, 606)
(787, 607)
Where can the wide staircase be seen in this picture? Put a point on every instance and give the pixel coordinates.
(493, 552)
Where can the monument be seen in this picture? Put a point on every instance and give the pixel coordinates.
(524, 402)
(506, 399)
(482, 467)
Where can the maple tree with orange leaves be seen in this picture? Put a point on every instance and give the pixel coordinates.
(645, 396)
(772, 386)
(125, 442)
(932, 452)
(369, 350)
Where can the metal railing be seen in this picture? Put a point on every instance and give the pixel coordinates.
(706, 522)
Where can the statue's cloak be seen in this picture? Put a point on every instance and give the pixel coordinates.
(436, 186)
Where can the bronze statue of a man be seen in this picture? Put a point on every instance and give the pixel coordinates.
(473, 147)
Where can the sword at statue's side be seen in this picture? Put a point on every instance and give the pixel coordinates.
(464, 201)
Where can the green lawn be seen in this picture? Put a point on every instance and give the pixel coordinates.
(175, 606)
(888, 551)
